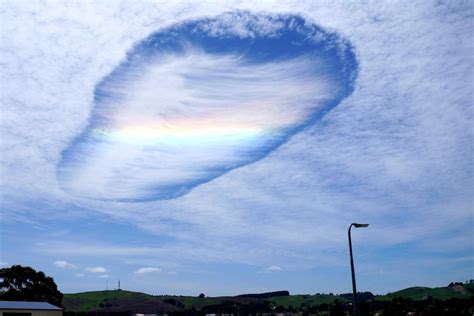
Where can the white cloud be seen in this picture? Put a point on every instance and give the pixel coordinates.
(273, 269)
(103, 276)
(80, 275)
(148, 270)
(64, 264)
(96, 269)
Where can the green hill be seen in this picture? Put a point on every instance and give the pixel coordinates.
(442, 293)
(140, 302)
(110, 301)
(114, 301)
(134, 301)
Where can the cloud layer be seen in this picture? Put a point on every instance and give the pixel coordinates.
(199, 99)
(396, 153)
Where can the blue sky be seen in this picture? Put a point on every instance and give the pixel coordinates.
(225, 147)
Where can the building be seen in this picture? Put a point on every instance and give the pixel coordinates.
(17, 308)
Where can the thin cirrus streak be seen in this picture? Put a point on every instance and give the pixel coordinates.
(199, 99)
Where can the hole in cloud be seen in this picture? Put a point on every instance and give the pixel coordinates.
(198, 99)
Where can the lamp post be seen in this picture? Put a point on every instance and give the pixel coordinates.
(354, 289)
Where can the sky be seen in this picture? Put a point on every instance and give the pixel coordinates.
(224, 147)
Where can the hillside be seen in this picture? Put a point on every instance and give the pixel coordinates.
(109, 301)
(442, 293)
(115, 301)
(141, 302)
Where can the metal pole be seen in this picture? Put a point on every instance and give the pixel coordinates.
(354, 289)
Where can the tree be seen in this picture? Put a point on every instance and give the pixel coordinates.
(202, 295)
(19, 283)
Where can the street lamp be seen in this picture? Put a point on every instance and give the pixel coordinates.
(354, 289)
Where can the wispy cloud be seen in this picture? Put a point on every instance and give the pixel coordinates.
(273, 269)
(96, 269)
(103, 276)
(147, 270)
(191, 116)
(64, 264)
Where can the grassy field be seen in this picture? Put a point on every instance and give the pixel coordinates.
(89, 301)
(442, 293)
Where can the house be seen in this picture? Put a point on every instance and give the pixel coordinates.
(20, 308)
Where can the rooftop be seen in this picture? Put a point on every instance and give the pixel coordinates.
(28, 305)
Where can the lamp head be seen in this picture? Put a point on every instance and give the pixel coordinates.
(356, 225)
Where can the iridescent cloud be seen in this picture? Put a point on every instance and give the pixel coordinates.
(199, 99)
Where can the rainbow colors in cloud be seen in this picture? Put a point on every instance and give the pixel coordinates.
(199, 99)
(179, 133)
